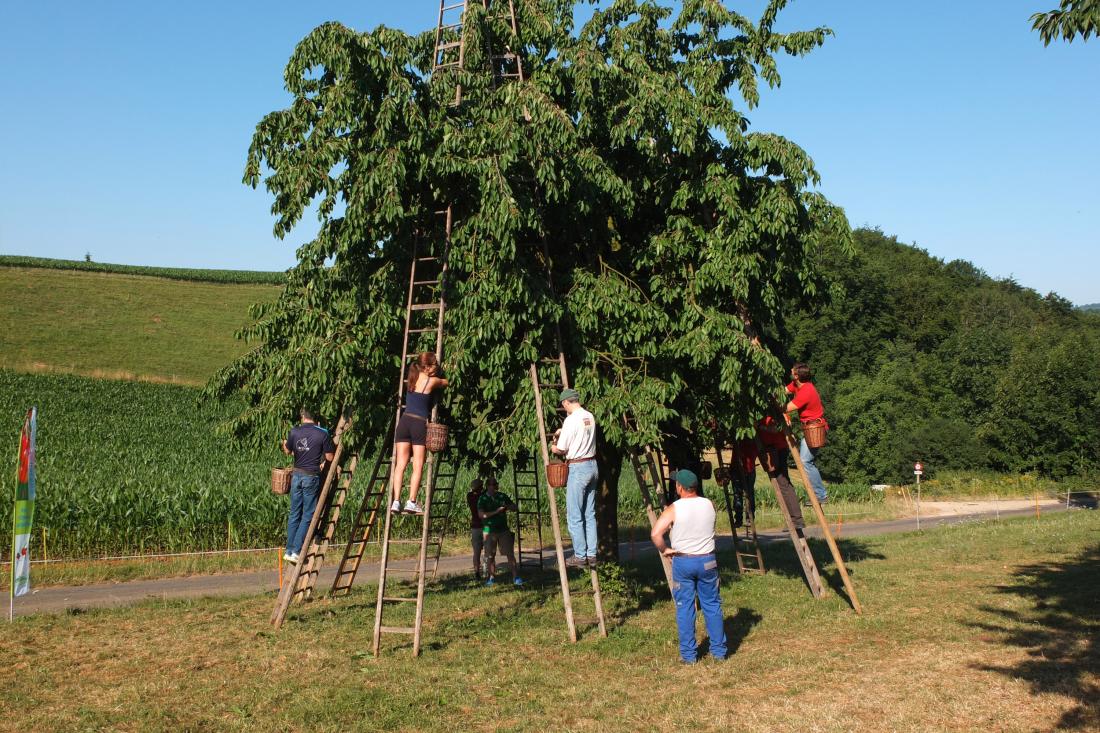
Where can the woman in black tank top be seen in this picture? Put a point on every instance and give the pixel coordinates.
(412, 428)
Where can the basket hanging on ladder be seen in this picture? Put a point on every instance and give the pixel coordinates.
(280, 480)
(814, 432)
(557, 474)
(436, 438)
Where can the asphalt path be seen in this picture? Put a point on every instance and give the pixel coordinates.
(105, 595)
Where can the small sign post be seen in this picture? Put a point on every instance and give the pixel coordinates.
(918, 471)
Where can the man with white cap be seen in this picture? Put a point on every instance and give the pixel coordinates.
(576, 441)
(689, 522)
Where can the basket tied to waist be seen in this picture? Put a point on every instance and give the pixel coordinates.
(280, 480)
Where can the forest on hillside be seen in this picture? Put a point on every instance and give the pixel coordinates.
(917, 358)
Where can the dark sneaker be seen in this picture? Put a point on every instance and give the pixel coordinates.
(592, 562)
(575, 562)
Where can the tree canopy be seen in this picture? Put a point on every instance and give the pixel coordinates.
(1070, 19)
(672, 226)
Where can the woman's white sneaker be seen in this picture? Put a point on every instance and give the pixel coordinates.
(395, 507)
(411, 507)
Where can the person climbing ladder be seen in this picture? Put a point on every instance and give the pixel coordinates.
(807, 403)
(412, 428)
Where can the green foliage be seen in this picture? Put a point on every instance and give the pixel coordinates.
(671, 227)
(1070, 19)
(171, 273)
(921, 359)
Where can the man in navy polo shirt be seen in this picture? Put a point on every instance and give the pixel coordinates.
(312, 448)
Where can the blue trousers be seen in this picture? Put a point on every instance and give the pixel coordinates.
(580, 507)
(304, 490)
(808, 455)
(693, 576)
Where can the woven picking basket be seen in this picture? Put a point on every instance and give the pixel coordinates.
(706, 470)
(557, 474)
(436, 439)
(280, 480)
(814, 432)
(722, 475)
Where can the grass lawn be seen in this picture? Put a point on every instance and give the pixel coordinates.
(122, 326)
(989, 626)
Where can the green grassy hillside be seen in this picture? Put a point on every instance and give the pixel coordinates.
(121, 326)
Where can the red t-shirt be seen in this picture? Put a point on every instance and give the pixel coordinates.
(808, 402)
(769, 436)
(747, 449)
(471, 500)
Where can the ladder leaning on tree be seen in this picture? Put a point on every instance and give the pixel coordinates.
(653, 475)
(747, 550)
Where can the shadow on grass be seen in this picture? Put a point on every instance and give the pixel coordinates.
(1059, 633)
(737, 629)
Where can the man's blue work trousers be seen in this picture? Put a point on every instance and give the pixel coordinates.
(691, 576)
(304, 490)
(580, 507)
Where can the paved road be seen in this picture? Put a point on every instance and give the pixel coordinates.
(102, 595)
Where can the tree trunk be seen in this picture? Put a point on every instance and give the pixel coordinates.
(607, 505)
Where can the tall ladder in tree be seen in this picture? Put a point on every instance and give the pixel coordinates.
(538, 384)
(747, 550)
(652, 474)
(302, 577)
(427, 282)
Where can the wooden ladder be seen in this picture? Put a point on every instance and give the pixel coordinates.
(651, 471)
(424, 314)
(746, 550)
(539, 382)
(528, 496)
(375, 501)
(822, 521)
(302, 577)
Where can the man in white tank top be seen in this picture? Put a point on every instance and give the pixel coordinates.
(689, 522)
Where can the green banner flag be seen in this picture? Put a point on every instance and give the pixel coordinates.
(23, 515)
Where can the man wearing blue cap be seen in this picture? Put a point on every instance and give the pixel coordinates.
(689, 522)
(576, 441)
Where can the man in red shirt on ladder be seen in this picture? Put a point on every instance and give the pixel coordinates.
(807, 402)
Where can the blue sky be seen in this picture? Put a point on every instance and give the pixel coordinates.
(948, 124)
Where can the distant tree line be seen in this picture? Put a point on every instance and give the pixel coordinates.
(918, 358)
(241, 277)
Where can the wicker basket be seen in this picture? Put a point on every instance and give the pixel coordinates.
(280, 480)
(557, 474)
(721, 475)
(814, 432)
(436, 439)
(706, 470)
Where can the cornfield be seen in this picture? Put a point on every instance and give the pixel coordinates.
(128, 468)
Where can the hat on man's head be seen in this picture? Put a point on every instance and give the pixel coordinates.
(687, 479)
(569, 394)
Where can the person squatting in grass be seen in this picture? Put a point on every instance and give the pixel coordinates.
(491, 506)
(807, 402)
(477, 526)
(774, 454)
(312, 448)
(689, 522)
(412, 428)
(576, 441)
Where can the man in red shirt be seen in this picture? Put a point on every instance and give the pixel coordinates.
(807, 402)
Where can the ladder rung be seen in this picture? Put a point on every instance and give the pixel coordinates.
(398, 599)
(426, 282)
(397, 629)
(404, 542)
(433, 329)
(425, 306)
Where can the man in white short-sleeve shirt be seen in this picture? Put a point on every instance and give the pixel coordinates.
(576, 442)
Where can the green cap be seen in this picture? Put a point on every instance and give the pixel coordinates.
(687, 479)
(569, 394)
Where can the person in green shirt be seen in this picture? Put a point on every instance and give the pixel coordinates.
(492, 507)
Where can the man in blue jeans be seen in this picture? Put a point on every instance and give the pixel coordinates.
(577, 443)
(689, 522)
(312, 448)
